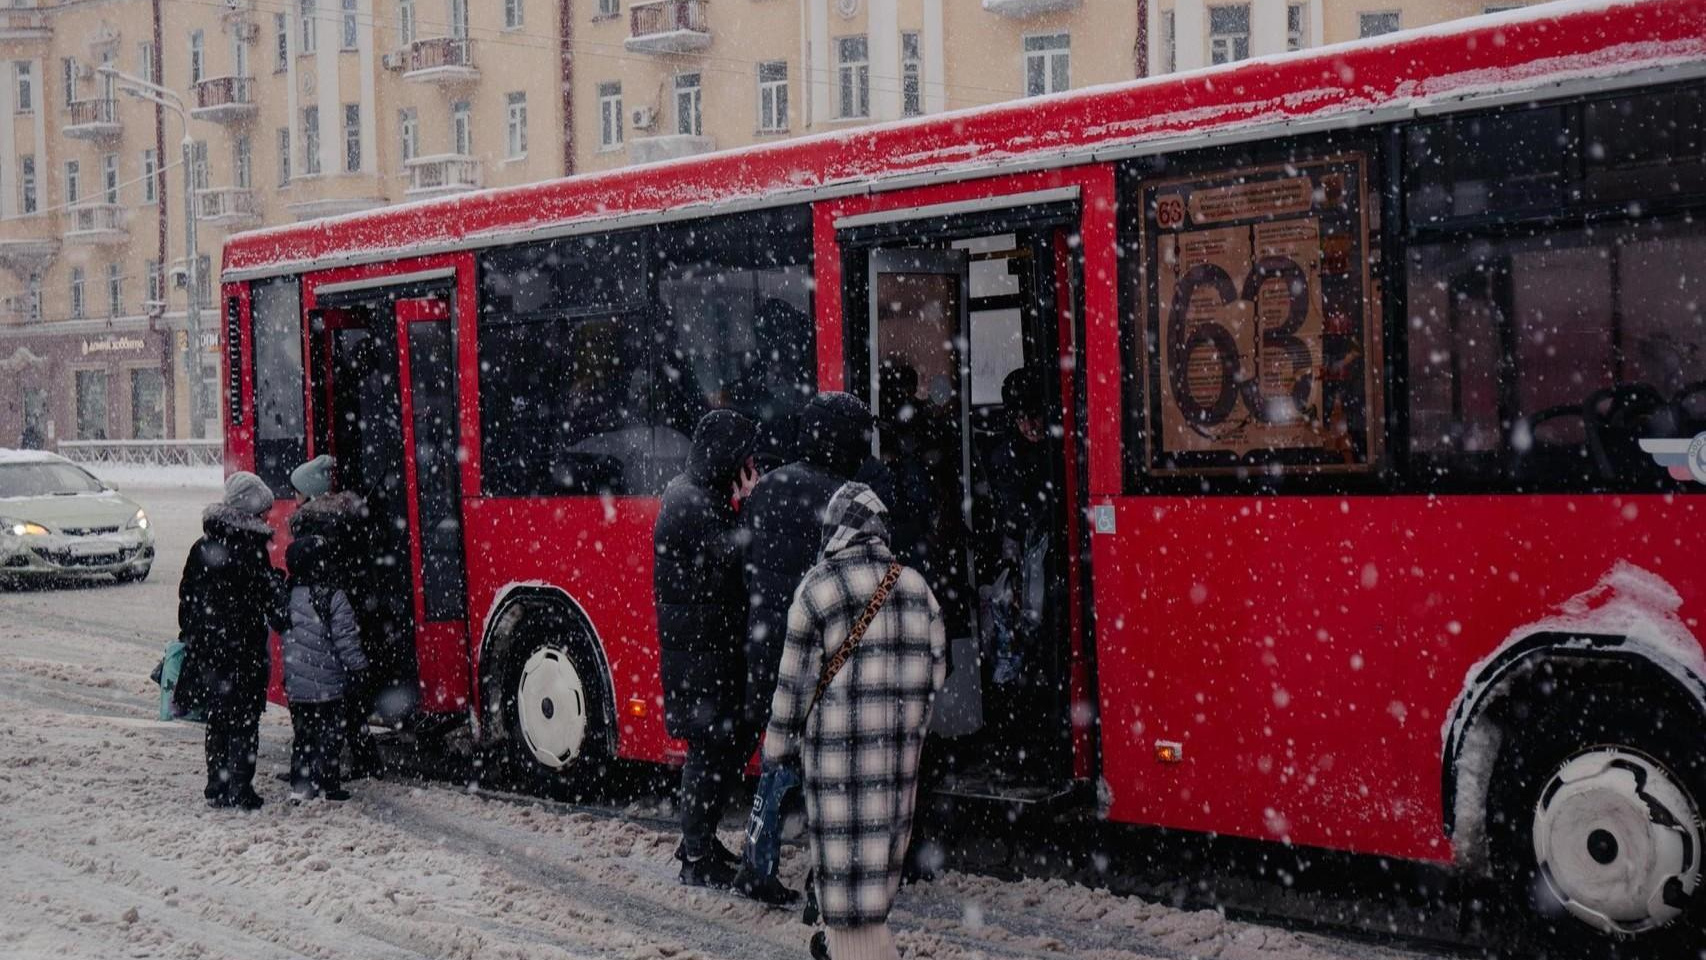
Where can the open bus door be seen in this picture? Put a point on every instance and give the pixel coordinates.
(385, 407)
(945, 316)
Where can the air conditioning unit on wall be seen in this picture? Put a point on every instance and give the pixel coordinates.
(643, 118)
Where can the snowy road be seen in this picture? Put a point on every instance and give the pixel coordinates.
(108, 851)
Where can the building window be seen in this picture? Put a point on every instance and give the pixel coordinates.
(410, 126)
(91, 386)
(461, 128)
(1228, 33)
(26, 84)
(69, 65)
(243, 167)
(198, 57)
(1377, 24)
(609, 116)
(911, 75)
(73, 182)
(687, 104)
(115, 290)
(406, 21)
(512, 14)
(1296, 24)
(150, 172)
(283, 155)
(515, 128)
(156, 282)
(609, 8)
(109, 178)
(352, 138)
(459, 19)
(76, 293)
(1169, 42)
(1048, 64)
(198, 166)
(305, 8)
(27, 181)
(773, 96)
(853, 73)
(310, 141)
(281, 42)
(145, 62)
(349, 34)
(147, 404)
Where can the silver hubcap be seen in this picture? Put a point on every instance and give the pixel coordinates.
(1617, 840)
(551, 703)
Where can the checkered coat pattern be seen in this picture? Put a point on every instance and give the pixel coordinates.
(858, 749)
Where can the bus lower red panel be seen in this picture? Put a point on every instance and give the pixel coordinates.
(597, 551)
(1306, 651)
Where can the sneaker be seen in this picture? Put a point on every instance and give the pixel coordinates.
(707, 871)
(339, 795)
(765, 889)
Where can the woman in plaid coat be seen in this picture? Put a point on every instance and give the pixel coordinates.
(858, 748)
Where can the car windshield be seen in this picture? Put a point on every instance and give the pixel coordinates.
(45, 479)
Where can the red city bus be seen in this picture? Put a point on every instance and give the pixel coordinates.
(1349, 356)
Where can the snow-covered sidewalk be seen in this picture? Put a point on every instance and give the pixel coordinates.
(109, 852)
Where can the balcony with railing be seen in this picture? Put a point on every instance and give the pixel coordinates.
(224, 99)
(28, 243)
(227, 206)
(668, 26)
(443, 174)
(1022, 9)
(22, 308)
(441, 60)
(92, 119)
(95, 223)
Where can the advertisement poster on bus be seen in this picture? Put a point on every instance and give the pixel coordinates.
(1259, 317)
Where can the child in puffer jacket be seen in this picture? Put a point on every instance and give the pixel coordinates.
(322, 663)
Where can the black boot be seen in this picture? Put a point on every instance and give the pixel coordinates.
(820, 946)
(765, 889)
(707, 871)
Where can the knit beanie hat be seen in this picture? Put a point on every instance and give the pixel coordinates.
(314, 478)
(247, 493)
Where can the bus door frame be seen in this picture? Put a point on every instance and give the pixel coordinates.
(1093, 458)
(443, 655)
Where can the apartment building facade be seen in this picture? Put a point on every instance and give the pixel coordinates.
(307, 108)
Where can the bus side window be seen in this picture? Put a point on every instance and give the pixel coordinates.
(280, 427)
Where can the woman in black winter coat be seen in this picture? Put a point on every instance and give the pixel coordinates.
(228, 598)
(701, 609)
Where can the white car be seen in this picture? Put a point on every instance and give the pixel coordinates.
(58, 520)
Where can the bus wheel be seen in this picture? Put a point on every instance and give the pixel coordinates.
(552, 716)
(1601, 834)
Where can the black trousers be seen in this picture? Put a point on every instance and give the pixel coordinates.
(714, 765)
(232, 741)
(357, 709)
(318, 739)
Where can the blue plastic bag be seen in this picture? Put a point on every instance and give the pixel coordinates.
(167, 675)
(764, 827)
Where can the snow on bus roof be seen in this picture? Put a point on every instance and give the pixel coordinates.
(1510, 52)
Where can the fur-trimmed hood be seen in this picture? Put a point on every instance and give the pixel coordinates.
(222, 522)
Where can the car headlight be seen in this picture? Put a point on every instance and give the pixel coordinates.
(23, 528)
(138, 522)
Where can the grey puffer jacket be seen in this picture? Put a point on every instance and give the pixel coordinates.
(322, 647)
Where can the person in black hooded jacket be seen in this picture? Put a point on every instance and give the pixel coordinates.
(228, 597)
(701, 609)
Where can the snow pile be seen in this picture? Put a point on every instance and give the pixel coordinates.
(126, 475)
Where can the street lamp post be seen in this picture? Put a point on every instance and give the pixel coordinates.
(145, 90)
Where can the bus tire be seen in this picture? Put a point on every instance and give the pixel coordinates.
(553, 698)
(1594, 830)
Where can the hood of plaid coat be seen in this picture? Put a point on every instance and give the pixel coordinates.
(854, 525)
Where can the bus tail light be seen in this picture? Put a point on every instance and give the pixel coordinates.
(1169, 751)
